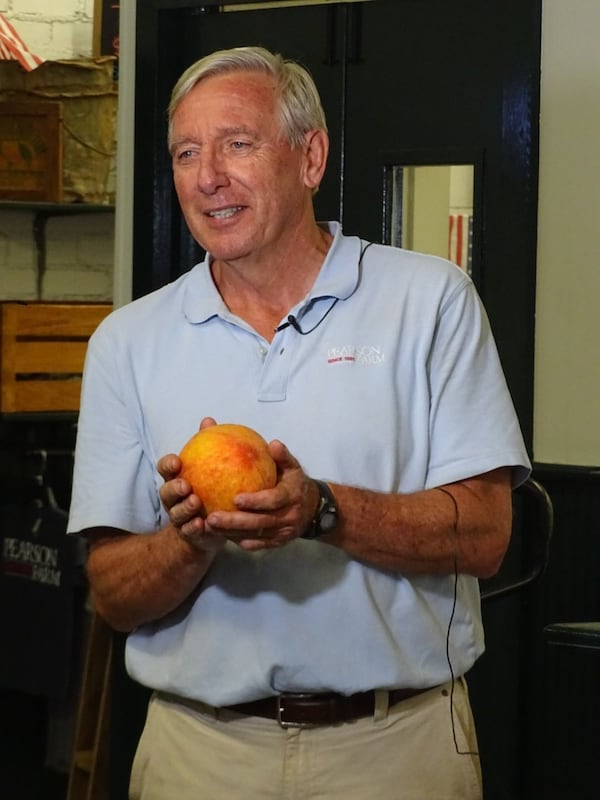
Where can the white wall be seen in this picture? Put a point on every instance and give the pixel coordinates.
(79, 263)
(567, 364)
(52, 29)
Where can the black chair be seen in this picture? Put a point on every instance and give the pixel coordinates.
(509, 608)
(584, 635)
(529, 550)
(572, 682)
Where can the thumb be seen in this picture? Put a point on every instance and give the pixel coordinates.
(282, 456)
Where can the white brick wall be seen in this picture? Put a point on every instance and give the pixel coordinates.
(79, 248)
(78, 257)
(53, 29)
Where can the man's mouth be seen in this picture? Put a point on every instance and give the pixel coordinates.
(224, 213)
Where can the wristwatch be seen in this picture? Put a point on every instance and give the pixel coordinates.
(326, 516)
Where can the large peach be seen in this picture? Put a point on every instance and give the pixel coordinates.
(223, 460)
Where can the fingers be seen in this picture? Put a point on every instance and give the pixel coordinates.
(173, 490)
(185, 509)
(169, 466)
(197, 534)
(260, 539)
(282, 456)
(176, 494)
(207, 422)
(253, 530)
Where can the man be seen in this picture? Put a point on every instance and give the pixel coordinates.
(313, 642)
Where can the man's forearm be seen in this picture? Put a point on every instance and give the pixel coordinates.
(137, 578)
(429, 532)
(465, 527)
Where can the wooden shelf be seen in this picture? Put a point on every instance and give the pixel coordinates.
(55, 209)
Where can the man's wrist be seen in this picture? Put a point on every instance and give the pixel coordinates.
(325, 518)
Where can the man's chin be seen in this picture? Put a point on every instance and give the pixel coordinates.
(228, 255)
(221, 245)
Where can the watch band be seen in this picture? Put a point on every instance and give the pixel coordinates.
(326, 516)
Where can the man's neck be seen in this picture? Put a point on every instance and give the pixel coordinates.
(263, 290)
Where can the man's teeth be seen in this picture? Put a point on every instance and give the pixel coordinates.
(225, 212)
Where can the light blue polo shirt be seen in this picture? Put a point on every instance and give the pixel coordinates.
(396, 387)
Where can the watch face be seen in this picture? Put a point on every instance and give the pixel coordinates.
(326, 517)
(328, 521)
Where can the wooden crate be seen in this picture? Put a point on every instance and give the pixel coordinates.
(42, 350)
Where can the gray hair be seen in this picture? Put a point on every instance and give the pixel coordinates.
(300, 106)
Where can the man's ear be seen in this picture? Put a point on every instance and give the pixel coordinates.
(316, 150)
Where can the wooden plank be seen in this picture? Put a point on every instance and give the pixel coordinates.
(39, 396)
(8, 327)
(50, 357)
(42, 352)
(57, 319)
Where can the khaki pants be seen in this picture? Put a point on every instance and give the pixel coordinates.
(189, 751)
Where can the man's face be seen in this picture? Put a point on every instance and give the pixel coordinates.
(242, 189)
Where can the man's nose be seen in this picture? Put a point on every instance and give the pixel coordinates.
(212, 171)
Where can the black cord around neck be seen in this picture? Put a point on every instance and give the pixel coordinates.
(292, 320)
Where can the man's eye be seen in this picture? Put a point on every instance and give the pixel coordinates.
(184, 155)
(239, 145)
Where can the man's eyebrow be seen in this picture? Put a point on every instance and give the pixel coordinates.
(230, 130)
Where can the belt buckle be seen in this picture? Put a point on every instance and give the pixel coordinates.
(281, 712)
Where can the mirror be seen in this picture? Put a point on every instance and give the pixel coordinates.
(430, 210)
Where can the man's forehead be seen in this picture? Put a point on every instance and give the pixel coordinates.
(240, 101)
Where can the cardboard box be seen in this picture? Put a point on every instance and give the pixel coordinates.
(87, 92)
(31, 151)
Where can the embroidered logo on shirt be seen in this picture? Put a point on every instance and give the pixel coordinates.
(365, 354)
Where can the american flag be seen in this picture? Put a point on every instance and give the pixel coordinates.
(12, 47)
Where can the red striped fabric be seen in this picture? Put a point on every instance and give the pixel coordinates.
(459, 240)
(12, 47)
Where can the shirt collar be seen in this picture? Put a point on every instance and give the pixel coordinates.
(338, 278)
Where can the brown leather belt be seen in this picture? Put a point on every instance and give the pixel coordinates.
(300, 710)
